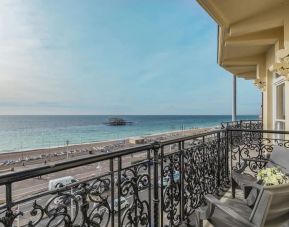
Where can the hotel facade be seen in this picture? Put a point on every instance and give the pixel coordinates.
(253, 43)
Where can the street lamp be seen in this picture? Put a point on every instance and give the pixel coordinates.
(67, 142)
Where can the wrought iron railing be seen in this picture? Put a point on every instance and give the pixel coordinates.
(255, 146)
(150, 185)
(243, 124)
(157, 184)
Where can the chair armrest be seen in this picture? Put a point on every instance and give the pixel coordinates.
(251, 191)
(254, 185)
(213, 202)
(256, 160)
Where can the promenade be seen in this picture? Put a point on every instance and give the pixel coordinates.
(36, 185)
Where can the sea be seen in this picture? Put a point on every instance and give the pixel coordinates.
(19, 133)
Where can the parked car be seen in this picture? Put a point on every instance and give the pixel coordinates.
(124, 203)
(166, 179)
(61, 182)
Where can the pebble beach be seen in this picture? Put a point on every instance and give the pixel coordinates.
(46, 155)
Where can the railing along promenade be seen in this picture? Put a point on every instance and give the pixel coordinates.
(243, 124)
(161, 183)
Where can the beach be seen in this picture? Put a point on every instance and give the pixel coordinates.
(23, 133)
(9, 160)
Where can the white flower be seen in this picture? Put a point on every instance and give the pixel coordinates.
(272, 176)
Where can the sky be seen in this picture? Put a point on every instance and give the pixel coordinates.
(114, 57)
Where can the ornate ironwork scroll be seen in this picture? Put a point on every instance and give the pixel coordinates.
(135, 180)
(169, 185)
(254, 146)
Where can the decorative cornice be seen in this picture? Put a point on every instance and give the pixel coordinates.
(282, 67)
(260, 84)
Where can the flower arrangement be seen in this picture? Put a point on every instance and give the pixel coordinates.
(272, 176)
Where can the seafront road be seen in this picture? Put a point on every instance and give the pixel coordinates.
(27, 207)
(30, 187)
(35, 185)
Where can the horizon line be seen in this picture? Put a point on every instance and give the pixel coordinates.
(127, 115)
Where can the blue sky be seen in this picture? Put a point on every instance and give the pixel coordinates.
(113, 57)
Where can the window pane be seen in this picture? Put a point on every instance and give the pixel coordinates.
(280, 101)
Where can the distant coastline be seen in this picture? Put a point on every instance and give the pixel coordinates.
(22, 133)
(47, 155)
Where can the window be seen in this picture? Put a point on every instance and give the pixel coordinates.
(280, 102)
(279, 125)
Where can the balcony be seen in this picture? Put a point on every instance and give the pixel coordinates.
(157, 184)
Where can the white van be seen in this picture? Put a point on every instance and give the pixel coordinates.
(60, 182)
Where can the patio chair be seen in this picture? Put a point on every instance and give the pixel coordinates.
(279, 158)
(270, 210)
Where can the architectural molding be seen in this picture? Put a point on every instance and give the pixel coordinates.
(258, 61)
(247, 60)
(260, 84)
(266, 37)
(270, 19)
(214, 12)
(282, 67)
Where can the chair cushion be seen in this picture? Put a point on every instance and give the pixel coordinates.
(279, 158)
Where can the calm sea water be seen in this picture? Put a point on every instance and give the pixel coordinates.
(29, 132)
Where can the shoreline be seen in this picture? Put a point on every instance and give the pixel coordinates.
(54, 153)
